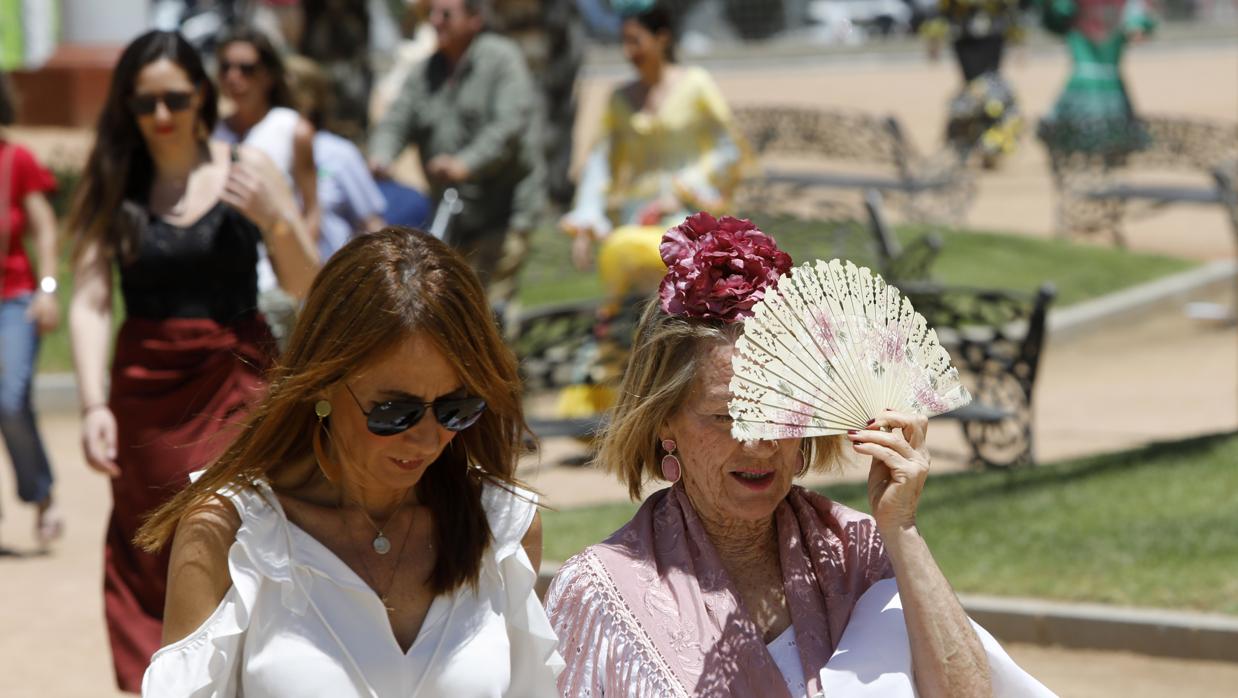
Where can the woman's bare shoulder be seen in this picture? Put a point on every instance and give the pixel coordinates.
(217, 515)
(198, 575)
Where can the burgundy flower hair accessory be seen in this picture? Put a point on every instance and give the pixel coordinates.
(717, 269)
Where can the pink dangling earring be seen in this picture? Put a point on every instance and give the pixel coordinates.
(671, 469)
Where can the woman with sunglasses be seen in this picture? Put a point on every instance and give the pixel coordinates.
(181, 218)
(365, 534)
(253, 79)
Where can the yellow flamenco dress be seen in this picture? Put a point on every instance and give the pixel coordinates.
(646, 172)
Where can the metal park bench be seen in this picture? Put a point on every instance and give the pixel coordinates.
(1096, 193)
(856, 151)
(995, 338)
(559, 346)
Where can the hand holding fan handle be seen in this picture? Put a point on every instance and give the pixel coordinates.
(900, 465)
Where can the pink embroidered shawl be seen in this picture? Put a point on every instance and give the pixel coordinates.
(650, 611)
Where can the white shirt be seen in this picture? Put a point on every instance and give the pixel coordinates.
(786, 655)
(273, 136)
(873, 657)
(299, 622)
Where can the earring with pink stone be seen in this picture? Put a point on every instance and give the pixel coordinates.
(671, 468)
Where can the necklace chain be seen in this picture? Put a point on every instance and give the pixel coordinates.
(381, 544)
(370, 579)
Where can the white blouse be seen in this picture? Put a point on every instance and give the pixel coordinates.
(873, 657)
(299, 622)
(786, 655)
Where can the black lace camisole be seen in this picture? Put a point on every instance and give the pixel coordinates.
(207, 269)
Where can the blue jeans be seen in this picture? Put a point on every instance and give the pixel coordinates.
(19, 345)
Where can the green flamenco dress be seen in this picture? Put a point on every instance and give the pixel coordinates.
(1093, 115)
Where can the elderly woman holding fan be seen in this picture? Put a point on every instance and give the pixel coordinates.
(734, 581)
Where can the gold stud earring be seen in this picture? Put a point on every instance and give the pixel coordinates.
(322, 408)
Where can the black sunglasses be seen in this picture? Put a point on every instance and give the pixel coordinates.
(145, 105)
(396, 416)
(247, 69)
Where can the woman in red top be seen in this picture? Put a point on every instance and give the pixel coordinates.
(27, 311)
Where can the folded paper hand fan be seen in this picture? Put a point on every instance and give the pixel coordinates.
(828, 349)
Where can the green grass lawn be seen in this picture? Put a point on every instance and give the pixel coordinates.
(54, 353)
(1079, 271)
(1150, 527)
(968, 258)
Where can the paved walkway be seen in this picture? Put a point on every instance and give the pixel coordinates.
(1161, 377)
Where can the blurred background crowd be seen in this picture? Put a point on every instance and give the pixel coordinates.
(1005, 147)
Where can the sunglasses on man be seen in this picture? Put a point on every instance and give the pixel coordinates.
(397, 416)
(174, 101)
(247, 69)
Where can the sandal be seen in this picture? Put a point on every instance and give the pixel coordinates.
(49, 525)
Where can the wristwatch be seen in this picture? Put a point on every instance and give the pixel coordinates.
(48, 284)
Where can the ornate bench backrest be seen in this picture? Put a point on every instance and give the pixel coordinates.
(1186, 143)
(1174, 143)
(990, 332)
(825, 133)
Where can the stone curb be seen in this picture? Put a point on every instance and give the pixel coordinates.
(1101, 313)
(1155, 632)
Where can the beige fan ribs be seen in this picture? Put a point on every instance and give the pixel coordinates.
(828, 349)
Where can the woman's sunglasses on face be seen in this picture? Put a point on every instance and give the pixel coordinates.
(145, 105)
(247, 69)
(396, 416)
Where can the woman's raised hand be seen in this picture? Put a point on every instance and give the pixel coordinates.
(250, 191)
(899, 468)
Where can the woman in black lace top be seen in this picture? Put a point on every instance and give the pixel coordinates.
(181, 217)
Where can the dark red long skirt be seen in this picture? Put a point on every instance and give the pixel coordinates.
(179, 389)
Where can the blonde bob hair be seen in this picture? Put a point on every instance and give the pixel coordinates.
(667, 352)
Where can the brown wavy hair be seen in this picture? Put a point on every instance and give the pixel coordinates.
(372, 295)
